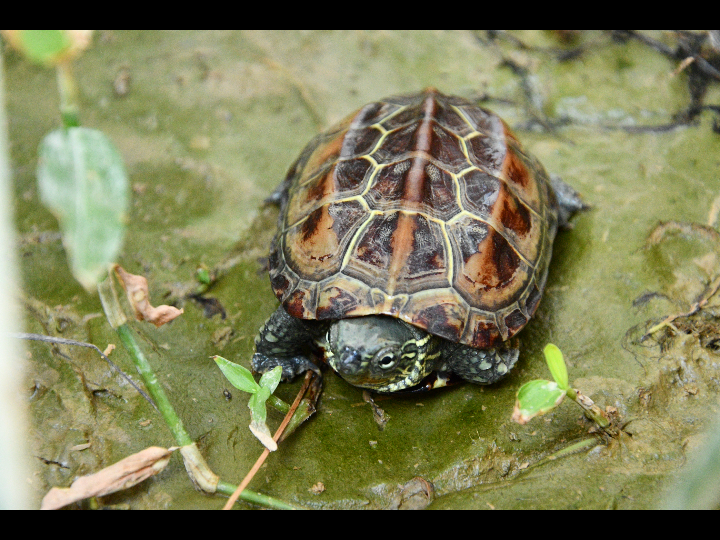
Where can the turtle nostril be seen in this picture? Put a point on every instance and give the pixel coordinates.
(349, 356)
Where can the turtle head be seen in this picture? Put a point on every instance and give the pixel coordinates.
(383, 354)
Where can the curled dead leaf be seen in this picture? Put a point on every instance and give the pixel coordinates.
(121, 475)
(136, 288)
(80, 447)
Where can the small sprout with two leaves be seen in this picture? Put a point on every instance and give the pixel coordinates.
(261, 392)
(540, 396)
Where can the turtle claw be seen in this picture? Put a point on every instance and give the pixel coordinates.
(291, 367)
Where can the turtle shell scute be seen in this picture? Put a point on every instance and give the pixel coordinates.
(422, 207)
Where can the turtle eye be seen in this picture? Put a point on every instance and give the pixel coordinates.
(386, 358)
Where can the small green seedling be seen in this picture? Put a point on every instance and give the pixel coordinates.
(540, 396)
(261, 392)
(80, 173)
(203, 275)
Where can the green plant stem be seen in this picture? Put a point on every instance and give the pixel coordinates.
(255, 498)
(266, 452)
(69, 102)
(585, 444)
(592, 410)
(117, 320)
(182, 438)
(278, 404)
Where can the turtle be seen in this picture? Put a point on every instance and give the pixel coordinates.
(414, 240)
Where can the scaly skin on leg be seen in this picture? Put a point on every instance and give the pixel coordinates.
(568, 199)
(481, 366)
(284, 341)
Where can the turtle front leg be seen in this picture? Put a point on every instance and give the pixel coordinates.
(482, 366)
(283, 341)
(569, 201)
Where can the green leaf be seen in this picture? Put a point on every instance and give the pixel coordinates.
(242, 379)
(43, 46)
(82, 181)
(258, 411)
(239, 376)
(203, 276)
(556, 363)
(258, 416)
(535, 398)
(271, 379)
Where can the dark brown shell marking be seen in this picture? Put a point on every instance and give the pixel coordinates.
(422, 207)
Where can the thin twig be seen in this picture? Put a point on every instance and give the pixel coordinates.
(63, 341)
(710, 291)
(655, 44)
(276, 437)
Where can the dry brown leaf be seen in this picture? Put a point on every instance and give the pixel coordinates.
(263, 434)
(136, 288)
(80, 447)
(121, 475)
